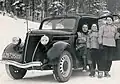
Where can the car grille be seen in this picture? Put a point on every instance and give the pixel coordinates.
(29, 49)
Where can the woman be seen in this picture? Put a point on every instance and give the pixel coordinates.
(94, 48)
(107, 41)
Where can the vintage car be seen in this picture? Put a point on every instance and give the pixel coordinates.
(51, 47)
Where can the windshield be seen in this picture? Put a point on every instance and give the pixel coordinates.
(64, 24)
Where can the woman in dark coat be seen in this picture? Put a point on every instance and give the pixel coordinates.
(107, 41)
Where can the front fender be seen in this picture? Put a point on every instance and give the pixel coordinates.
(10, 53)
(56, 50)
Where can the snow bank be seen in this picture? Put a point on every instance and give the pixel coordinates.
(12, 27)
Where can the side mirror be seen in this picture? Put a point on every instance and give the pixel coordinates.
(30, 29)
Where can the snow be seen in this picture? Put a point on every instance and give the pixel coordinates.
(11, 27)
(46, 77)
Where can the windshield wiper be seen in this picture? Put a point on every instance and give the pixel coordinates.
(48, 22)
(61, 20)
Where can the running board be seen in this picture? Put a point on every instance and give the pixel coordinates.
(20, 65)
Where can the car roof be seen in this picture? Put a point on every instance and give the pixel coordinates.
(81, 15)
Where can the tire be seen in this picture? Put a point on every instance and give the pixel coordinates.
(15, 72)
(63, 70)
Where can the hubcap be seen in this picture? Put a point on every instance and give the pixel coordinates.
(65, 65)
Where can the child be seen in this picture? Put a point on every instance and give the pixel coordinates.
(93, 46)
(81, 46)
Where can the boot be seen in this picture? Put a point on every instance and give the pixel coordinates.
(100, 74)
(84, 65)
(106, 74)
(92, 71)
(84, 69)
(92, 74)
(90, 67)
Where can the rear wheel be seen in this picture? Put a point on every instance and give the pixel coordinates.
(63, 70)
(15, 72)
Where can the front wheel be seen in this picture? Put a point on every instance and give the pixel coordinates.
(63, 70)
(15, 72)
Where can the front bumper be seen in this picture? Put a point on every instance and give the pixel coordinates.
(20, 65)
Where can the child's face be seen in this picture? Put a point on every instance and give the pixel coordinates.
(85, 28)
(109, 21)
(94, 27)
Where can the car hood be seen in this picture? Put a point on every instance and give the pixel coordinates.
(54, 32)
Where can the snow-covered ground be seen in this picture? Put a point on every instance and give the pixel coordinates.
(10, 27)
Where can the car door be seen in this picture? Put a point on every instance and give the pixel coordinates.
(101, 21)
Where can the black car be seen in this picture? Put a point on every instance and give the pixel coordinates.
(51, 47)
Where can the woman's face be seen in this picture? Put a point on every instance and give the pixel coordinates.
(85, 28)
(109, 20)
(94, 27)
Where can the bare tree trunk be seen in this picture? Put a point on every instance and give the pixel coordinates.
(45, 8)
(33, 10)
(5, 5)
(112, 5)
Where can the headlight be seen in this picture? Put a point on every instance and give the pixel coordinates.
(16, 40)
(44, 40)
